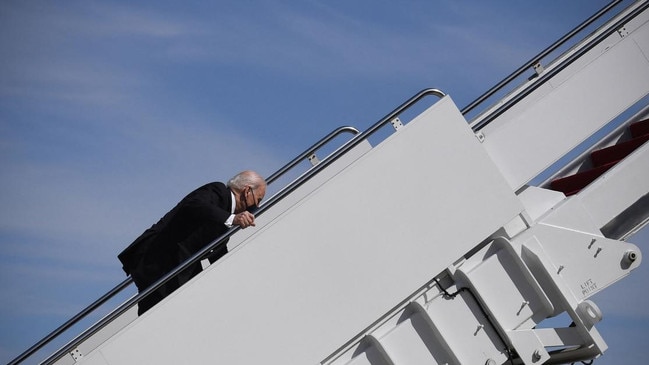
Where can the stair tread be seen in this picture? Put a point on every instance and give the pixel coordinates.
(618, 151)
(572, 184)
(603, 160)
(639, 128)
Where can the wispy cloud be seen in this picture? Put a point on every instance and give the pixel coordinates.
(92, 153)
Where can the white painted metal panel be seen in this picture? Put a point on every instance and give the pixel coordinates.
(464, 326)
(98, 338)
(301, 192)
(404, 344)
(578, 106)
(584, 262)
(618, 188)
(336, 261)
(516, 285)
(432, 328)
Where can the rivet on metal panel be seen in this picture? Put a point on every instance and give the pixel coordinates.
(480, 136)
(480, 326)
(314, 160)
(599, 249)
(396, 123)
(525, 304)
(591, 243)
(538, 68)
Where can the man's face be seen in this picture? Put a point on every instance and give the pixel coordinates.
(250, 198)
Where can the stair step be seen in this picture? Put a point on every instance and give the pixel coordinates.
(639, 128)
(572, 184)
(603, 160)
(618, 151)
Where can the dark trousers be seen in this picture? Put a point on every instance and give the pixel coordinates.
(146, 273)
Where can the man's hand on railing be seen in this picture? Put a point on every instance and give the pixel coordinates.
(244, 220)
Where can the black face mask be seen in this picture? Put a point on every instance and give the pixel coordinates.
(251, 208)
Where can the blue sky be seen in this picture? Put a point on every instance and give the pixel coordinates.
(110, 111)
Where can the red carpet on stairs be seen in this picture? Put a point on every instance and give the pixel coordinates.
(604, 159)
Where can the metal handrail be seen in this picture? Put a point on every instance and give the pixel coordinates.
(309, 152)
(549, 74)
(121, 286)
(536, 59)
(72, 321)
(220, 241)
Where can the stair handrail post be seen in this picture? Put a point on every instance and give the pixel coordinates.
(316, 146)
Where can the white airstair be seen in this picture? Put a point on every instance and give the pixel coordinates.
(455, 240)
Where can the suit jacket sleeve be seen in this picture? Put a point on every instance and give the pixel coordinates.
(208, 210)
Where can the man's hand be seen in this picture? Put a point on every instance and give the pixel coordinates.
(244, 220)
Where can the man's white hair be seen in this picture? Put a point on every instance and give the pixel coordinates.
(246, 178)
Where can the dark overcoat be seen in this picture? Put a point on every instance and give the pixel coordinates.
(197, 220)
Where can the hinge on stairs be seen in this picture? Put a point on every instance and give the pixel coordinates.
(314, 159)
(76, 355)
(396, 123)
(623, 32)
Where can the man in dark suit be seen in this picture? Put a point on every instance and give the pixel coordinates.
(201, 217)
